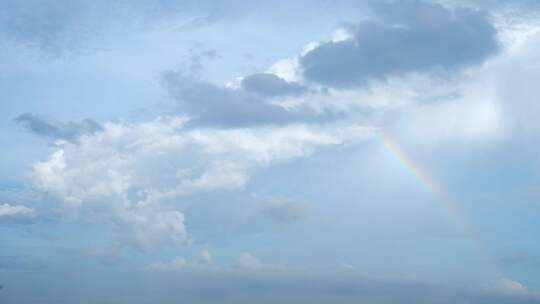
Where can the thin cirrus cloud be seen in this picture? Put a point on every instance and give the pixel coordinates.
(64, 27)
(407, 37)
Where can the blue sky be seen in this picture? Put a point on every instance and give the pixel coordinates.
(274, 152)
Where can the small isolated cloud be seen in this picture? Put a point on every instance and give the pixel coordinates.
(205, 257)
(270, 85)
(408, 36)
(247, 261)
(16, 211)
(284, 210)
(70, 131)
(179, 264)
(346, 266)
(198, 56)
(511, 288)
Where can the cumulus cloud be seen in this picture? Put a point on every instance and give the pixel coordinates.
(213, 105)
(58, 130)
(15, 211)
(132, 175)
(408, 36)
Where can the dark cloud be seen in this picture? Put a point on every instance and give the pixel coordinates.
(212, 105)
(270, 85)
(409, 36)
(70, 131)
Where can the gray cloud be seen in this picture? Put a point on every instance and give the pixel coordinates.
(409, 36)
(516, 258)
(197, 56)
(57, 130)
(284, 211)
(270, 85)
(212, 105)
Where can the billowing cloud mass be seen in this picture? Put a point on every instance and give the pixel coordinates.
(15, 211)
(132, 175)
(407, 37)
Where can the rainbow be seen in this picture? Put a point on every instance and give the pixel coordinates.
(434, 186)
(422, 175)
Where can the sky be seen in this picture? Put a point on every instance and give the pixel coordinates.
(199, 152)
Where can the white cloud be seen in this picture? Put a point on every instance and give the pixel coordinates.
(346, 266)
(16, 211)
(132, 175)
(179, 263)
(249, 263)
(287, 69)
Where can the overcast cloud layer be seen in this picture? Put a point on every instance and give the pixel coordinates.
(274, 152)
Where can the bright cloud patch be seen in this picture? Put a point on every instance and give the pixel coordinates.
(15, 211)
(132, 175)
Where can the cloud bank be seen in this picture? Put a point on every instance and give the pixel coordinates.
(407, 37)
